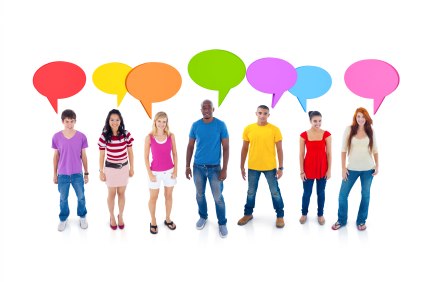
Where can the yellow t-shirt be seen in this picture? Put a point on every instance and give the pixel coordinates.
(262, 145)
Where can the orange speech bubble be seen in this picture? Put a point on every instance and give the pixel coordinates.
(153, 82)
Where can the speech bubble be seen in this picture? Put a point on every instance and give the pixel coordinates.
(110, 78)
(373, 79)
(58, 80)
(153, 82)
(217, 70)
(312, 82)
(272, 76)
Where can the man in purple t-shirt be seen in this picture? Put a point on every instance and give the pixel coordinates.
(69, 145)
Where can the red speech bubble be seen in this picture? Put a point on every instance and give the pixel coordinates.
(58, 80)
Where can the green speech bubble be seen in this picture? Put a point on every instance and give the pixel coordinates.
(217, 70)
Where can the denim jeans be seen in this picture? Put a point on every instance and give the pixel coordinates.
(77, 182)
(308, 188)
(366, 178)
(253, 177)
(200, 175)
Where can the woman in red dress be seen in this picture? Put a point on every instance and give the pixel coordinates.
(315, 164)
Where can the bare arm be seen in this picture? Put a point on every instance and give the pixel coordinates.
(225, 145)
(101, 165)
(302, 155)
(131, 160)
(85, 165)
(329, 156)
(147, 161)
(343, 165)
(375, 156)
(244, 152)
(55, 166)
(279, 158)
(189, 153)
(174, 152)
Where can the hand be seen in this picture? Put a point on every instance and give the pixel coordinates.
(279, 173)
(376, 171)
(174, 174)
(152, 177)
(131, 172)
(55, 179)
(303, 177)
(188, 173)
(102, 176)
(223, 175)
(345, 174)
(243, 173)
(86, 179)
(328, 175)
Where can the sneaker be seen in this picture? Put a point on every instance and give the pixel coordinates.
(62, 226)
(201, 223)
(222, 230)
(83, 223)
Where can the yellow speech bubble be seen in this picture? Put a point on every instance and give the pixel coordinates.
(110, 78)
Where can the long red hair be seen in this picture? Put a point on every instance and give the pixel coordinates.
(367, 127)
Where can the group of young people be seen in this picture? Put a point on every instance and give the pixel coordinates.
(209, 140)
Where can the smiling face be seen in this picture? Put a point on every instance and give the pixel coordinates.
(360, 118)
(161, 123)
(262, 115)
(69, 123)
(316, 122)
(207, 110)
(114, 122)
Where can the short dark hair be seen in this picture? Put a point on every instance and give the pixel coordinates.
(312, 114)
(264, 107)
(68, 114)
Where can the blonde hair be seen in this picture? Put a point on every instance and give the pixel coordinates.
(158, 116)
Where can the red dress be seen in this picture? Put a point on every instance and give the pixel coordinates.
(315, 161)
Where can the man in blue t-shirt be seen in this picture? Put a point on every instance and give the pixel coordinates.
(210, 134)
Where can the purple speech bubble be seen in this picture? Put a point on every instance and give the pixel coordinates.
(373, 79)
(272, 76)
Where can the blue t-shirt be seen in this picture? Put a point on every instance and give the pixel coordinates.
(208, 138)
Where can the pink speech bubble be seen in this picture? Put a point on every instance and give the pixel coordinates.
(58, 80)
(373, 79)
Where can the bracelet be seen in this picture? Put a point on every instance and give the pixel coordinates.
(86, 173)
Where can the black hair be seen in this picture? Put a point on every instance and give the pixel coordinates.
(68, 114)
(107, 130)
(264, 107)
(312, 114)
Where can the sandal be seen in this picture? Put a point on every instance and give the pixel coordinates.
(170, 225)
(154, 227)
(361, 227)
(336, 226)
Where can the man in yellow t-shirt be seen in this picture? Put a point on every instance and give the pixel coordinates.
(261, 142)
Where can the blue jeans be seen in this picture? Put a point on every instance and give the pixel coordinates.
(308, 189)
(77, 182)
(200, 175)
(366, 178)
(253, 177)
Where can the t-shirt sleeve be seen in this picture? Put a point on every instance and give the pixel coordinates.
(224, 134)
(54, 145)
(192, 132)
(84, 143)
(277, 135)
(326, 134)
(129, 139)
(102, 142)
(245, 134)
(375, 145)
(344, 147)
(304, 135)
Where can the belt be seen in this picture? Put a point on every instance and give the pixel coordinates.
(207, 166)
(115, 165)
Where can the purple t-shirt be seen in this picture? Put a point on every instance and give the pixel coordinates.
(69, 152)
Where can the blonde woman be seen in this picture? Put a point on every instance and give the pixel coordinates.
(160, 142)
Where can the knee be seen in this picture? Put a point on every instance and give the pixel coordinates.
(168, 196)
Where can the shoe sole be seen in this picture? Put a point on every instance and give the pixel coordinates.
(201, 227)
(221, 235)
(61, 230)
(244, 222)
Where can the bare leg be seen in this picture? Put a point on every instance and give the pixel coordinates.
(111, 204)
(152, 204)
(168, 193)
(121, 203)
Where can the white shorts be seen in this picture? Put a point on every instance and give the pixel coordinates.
(165, 177)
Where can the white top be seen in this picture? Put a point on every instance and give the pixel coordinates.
(359, 158)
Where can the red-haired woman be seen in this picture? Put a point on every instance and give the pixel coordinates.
(359, 144)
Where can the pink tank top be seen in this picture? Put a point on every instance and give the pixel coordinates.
(161, 154)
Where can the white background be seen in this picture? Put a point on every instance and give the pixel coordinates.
(329, 34)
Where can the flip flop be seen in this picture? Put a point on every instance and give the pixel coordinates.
(155, 227)
(361, 227)
(336, 226)
(170, 225)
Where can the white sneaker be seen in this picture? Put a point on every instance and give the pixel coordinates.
(62, 226)
(83, 223)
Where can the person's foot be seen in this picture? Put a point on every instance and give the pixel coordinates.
(222, 230)
(113, 223)
(170, 224)
(321, 220)
(303, 219)
(244, 220)
(361, 227)
(280, 223)
(62, 225)
(337, 225)
(200, 224)
(153, 228)
(120, 222)
(83, 223)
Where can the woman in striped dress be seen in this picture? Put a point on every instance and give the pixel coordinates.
(116, 144)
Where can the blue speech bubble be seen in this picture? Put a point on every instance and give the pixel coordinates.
(312, 82)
